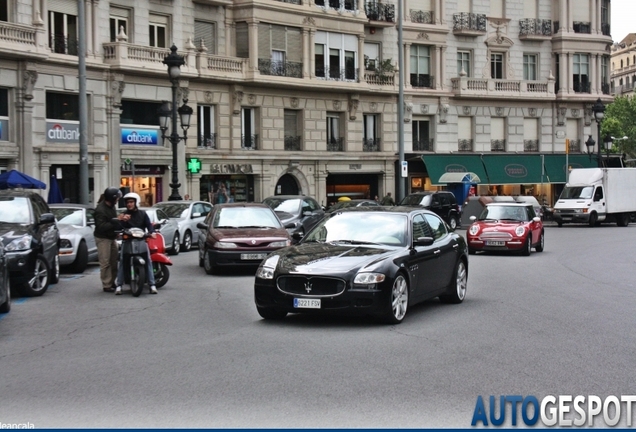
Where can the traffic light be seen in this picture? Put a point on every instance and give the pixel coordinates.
(194, 165)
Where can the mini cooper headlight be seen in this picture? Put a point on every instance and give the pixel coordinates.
(225, 245)
(519, 231)
(368, 278)
(267, 267)
(474, 229)
(21, 243)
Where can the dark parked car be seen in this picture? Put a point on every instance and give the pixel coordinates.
(442, 203)
(239, 234)
(375, 261)
(297, 212)
(352, 203)
(31, 240)
(5, 283)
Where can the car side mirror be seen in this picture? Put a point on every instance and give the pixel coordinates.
(290, 225)
(472, 218)
(202, 226)
(297, 236)
(307, 213)
(536, 219)
(423, 241)
(47, 218)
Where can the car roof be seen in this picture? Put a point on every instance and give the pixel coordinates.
(289, 197)
(385, 209)
(509, 204)
(179, 202)
(242, 204)
(18, 192)
(71, 205)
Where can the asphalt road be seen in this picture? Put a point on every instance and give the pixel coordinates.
(198, 355)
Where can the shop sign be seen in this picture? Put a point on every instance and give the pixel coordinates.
(231, 169)
(139, 136)
(63, 132)
(451, 168)
(144, 170)
(4, 130)
(516, 170)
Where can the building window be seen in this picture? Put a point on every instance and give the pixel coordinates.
(279, 50)
(207, 130)
(158, 31)
(420, 67)
(292, 130)
(371, 55)
(581, 76)
(249, 138)
(4, 102)
(63, 33)
(335, 142)
(4, 10)
(336, 56)
(465, 134)
(605, 60)
(205, 32)
(421, 136)
(119, 19)
(319, 60)
(530, 67)
(371, 133)
(530, 135)
(139, 112)
(497, 134)
(497, 65)
(463, 63)
(62, 106)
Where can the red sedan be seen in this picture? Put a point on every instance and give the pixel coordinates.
(506, 226)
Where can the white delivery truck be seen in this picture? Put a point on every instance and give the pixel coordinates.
(594, 195)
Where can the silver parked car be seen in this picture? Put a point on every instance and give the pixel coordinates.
(169, 228)
(187, 214)
(76, 223)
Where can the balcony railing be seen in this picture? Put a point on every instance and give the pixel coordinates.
(466, 86)
(335, 144)
(465, 145)
(206, 141)
(374, 79)
(582, 87)
(61, 44)
(535, 27)
(582, 27)
(422, 81)
(280, 68)
(606, 30)
(574, 146)
(530, 145)
(424, 144)
(371, 145)
(17, 33)
(380, 11)
(292, 143)
(465, 22)
(249, 142)
(337, 74)
(349, 5)
(422, 17)
(605, 88)
(497, 145)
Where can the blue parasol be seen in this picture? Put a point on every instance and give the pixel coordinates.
(55, 195)
(15, 179)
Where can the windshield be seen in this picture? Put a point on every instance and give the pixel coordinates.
(14, 210)
(175, 210)
(413, 200)
(243, 217)
(290, 205)
(68, 216)
(353, 227)
(504, 213)
(577, 192)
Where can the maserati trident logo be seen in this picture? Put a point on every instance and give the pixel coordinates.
(308, 287)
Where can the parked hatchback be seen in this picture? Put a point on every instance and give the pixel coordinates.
(187, 214)
(443, 203)
(31, 240)
(239, 235)
(298, 213)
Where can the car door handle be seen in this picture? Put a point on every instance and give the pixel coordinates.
(437, 252)
(455, 246)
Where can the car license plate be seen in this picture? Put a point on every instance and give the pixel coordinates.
(495, 243)
(254, 256)
(307, 303)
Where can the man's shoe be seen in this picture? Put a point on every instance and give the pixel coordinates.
(118, 290)
(153, 289)
(109, 289)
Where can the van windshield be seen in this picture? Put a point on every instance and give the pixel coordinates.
(577, 192)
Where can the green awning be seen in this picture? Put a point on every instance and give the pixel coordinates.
(556, 165)
(438, 165)
(514, 169)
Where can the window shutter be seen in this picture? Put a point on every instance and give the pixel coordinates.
(242, 44)
(264, 45)
(119, 12)
(68, 7)
(294, 45)
(204, 30)
(278, 38)
(291, 123)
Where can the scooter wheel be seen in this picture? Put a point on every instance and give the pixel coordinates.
(138, 281)
(162, 274)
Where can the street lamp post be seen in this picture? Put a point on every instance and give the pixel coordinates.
(168, 113)
(599, 112)
(590, 146)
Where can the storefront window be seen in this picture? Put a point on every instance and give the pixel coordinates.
(219, 189)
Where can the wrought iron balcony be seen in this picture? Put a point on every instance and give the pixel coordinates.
(280, 68)
(466, 23)
(497, 145)
(530, 145)
(335, 144)
(346, 74)
(582, 87)
(574, 146)
(582, 27)
(605, 88)
(533, 28)
(249, 142)
(206, 141)
(423, 144)
(605, 29)
(380, 12)
(465, 145)
(422, 81)
(292, 143)
(349, 5)
(422, 17)
(63, 45)
(371, 145)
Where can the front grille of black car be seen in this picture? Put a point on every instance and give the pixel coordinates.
(311, 286)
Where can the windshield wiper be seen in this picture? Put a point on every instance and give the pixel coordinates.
(355, 242)
(510, 219)
(257, 226)
(488, 220)
(225, 227)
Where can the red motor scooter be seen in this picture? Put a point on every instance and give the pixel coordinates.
(160, 260)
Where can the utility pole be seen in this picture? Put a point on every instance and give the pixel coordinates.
(83, 108)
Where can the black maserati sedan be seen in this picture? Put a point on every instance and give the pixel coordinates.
(374, 261)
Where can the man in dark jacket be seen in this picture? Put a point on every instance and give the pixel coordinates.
(105, 237)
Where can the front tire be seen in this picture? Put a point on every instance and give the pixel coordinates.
(271, 314)
(162, 274)
(81, 260)
(453, 223)
(39, 278)
(541, 245)
(593, 219)
(187, 241)
(6, 306)
(55, 271)
(398, 301)
(527, 247)
(458, 293)
(176, 245)
(209, 267)
(138, 280)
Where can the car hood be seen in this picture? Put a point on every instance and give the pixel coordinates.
(285, 217)
(9, 231)
(260, 235)
(329, 258)
(67, 230)
(500, 225)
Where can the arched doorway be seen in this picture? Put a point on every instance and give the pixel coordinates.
(287, 185)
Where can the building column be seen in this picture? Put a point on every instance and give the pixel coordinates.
(305, 48)
(570, 18)
(90, 26)
(361, 69)
(407, 64)
(229, 31)
(563, 16)
(312, 53)
(593, 74)
(594, 27)
(252, 31)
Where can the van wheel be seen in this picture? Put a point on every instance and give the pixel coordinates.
(593, 219)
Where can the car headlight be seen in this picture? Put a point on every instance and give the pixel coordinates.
(65, 244)
(519, 231)
(225, 245)
(267, 267)
(368, 278)
(280, 244)
(21, 243)
(474, 229)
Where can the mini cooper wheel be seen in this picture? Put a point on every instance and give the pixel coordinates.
(399, 301)
(271, 314)
(540, 246)
(457, 292)
(527, 247)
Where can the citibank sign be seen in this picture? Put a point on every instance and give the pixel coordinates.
(139, 136)
(62, 132)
